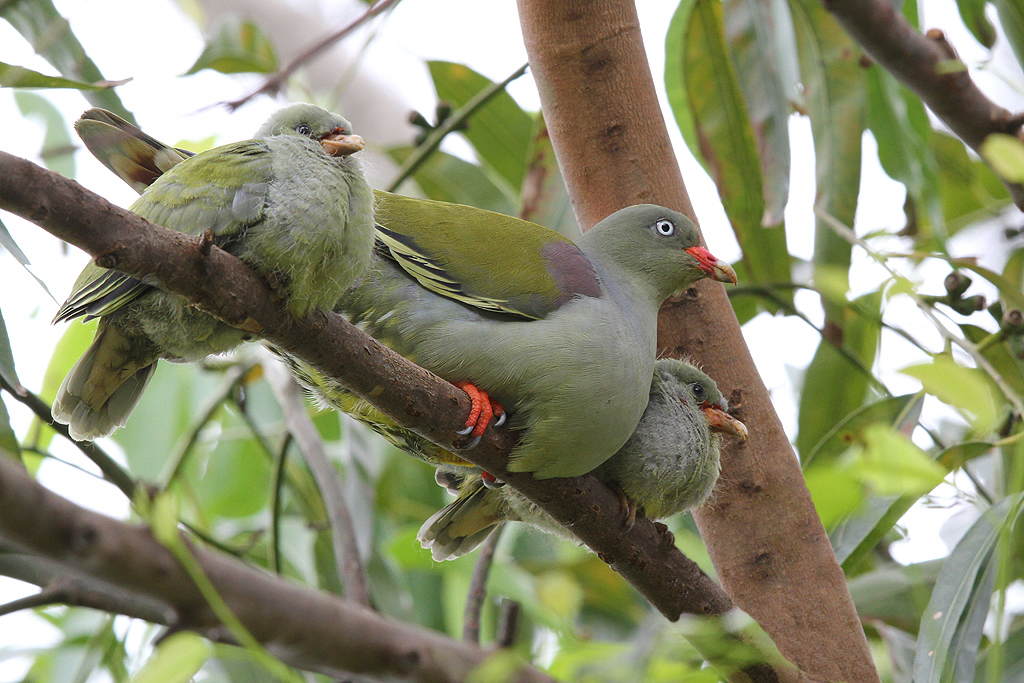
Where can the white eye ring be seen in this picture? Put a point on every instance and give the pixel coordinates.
(665, 227)
(303, 129)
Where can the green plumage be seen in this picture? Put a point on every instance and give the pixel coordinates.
(562, 334)
(669, 464)
(291, 203)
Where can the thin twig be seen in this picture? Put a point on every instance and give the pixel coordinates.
(478, 587)
(112, 471)
(346, 547)
(848, 234)
(433, 141)
(274, 558)
(508, 624)
(179, 457)
(916, 60)
(274, 83)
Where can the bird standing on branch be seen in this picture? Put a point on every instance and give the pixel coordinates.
(291, 203)
(669, 464)
(561, 333)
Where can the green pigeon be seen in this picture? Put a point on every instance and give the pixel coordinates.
(561, 333)
(291, 202)
(669, 464)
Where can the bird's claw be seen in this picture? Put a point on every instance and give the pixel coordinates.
(490, 481)
(482, 410)
(626, 506)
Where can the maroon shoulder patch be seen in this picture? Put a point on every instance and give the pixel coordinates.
(571, 270)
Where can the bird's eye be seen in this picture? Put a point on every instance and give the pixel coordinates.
(303, 129)
(665, 227)
(698, 391)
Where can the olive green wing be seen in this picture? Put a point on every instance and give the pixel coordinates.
(483, 259)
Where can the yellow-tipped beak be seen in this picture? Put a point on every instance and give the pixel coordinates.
(338, 145)
(722, 421)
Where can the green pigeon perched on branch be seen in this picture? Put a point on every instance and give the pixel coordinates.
(561, 333)
(669, 464)
(291, 203)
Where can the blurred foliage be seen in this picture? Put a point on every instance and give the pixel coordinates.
(737, 72)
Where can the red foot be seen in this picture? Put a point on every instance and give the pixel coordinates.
(490, 481)
(483, 409)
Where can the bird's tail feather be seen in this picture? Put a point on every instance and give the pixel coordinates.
(103, 387)
(463, 524)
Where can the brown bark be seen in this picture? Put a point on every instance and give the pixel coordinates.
(346, 637)
(922, 63)
(222, 285)
(766, 540)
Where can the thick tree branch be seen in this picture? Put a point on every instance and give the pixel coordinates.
(346, 637)
(764, 536)
(223, 286)
(927, 64)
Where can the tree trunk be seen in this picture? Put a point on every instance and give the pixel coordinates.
(768, 545)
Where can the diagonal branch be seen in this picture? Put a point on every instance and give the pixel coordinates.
(928, 65)
(346, 637)
(222, 285)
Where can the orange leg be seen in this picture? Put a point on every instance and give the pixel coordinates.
(482, 411)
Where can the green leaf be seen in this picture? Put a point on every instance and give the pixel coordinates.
(175, 660)
(962, 588)
(1006, 363)
(239, 47)
(13, 76)
(1011, 18)
(861, 531)
(8, 439)
(500, 131)
(843, 435)
(966, 389)
(545, 199)
(58, 147)
(448, 178)
(1005, 154)
(895, 594)
(900, 125)
(7, 370)
(858, 534)
(835, 493)
(891, 464)
(835, 87)
(763, 48)
(50, 35)
(972, 12)
(969, 189)
(68, 350)
(834, 387)
(8, 243)
(705, 94)
(235, 481)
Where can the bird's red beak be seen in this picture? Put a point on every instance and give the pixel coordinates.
(722, 421)
(337, 144)
(715, 269)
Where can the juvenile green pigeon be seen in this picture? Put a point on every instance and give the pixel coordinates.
(669, 464)
(291, 203)
(560, 333)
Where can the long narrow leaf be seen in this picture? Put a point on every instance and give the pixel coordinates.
(50, 34)
(958, 589)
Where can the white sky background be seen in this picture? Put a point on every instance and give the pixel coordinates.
(154, 42)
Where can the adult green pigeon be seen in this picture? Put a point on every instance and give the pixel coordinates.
(669, 464)
(291, 203)
(561, 333)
